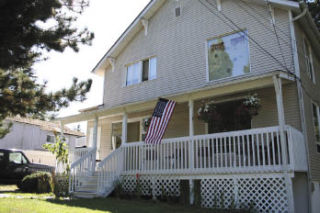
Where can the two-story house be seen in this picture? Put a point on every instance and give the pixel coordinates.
(245, 129)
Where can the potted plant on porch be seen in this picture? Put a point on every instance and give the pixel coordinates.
(250, 105)
(208, 112)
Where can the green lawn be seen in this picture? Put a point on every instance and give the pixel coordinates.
(19, 202)
(37, 203)
(12, 205)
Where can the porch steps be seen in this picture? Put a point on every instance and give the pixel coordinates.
(88, 187)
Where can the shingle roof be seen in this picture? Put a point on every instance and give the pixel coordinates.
(46, 125)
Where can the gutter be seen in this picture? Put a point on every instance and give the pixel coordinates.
(300, 89)
(300, 15)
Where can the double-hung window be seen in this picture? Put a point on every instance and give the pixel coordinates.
(308, 59)
(316, 122)
(141, 71)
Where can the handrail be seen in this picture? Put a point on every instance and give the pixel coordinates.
(77, 162)
(109, 170)
(81, 168)
(77, 153)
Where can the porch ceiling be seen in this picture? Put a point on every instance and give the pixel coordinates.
(218, 89)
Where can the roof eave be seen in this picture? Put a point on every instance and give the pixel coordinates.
(132, 29)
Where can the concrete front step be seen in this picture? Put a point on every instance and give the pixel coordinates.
(88, 188)
(85, 194)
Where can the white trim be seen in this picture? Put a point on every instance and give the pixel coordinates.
(124, 133)
(281, 119)
(219, 5)
(112, 62)
(145, 24)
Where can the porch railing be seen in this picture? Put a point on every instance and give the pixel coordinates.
(81, 169)
(77, 153)
(254, 150)
(229, 152)
(109, 171)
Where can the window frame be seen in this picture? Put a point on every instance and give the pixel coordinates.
(51, 136)
(207, 55)
(140, 62)
(308, 59)
(318, 118)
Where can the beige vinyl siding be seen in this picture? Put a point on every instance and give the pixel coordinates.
(311, 93)
(268, 115)
(179, 43)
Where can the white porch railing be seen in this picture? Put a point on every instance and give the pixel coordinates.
(109, 171)
(82, 168)
(229, 152)
(247, 151)
(77, 153)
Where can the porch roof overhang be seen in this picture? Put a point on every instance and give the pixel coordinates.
(225, 87)
(152, 7)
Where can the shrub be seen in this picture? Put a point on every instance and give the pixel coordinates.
(39, 182)
(61, 185)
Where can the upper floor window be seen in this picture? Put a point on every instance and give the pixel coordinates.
(308, 59)
(142, 71)
(228, 56)
(316, 122)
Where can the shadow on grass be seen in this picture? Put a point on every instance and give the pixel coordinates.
(128, 206)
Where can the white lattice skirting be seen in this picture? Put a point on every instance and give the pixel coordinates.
(265, 193)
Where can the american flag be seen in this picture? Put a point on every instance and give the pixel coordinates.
(159, 121)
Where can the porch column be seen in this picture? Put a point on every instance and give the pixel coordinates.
(191, 148)
(94, 143)
(124, 128)
(278, 88)
(95, 132)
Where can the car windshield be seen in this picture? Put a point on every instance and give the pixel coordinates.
(17, 157)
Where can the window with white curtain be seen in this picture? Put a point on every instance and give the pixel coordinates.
(134, 74)
(141, 71)
(308, 59)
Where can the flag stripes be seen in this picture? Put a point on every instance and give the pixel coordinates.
(159, 121)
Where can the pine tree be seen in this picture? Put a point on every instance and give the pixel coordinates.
(29, 28)
(314, 8)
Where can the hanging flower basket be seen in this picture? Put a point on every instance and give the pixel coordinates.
(207, 112)
(252, 104)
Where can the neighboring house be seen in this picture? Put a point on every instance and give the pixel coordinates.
(198, 51)
(30, 134)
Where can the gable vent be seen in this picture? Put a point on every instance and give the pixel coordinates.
(177, 11)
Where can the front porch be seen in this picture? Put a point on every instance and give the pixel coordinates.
(261, 154)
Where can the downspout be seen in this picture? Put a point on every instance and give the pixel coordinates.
(304, 12)
(300, 92)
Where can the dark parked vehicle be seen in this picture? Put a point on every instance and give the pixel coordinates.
(14, 165)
